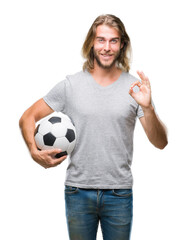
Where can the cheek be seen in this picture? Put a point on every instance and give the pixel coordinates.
(115, 48)
(98, 47)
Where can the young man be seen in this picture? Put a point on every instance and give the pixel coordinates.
(103, 105)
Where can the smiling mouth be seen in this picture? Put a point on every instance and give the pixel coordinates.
(106, 56)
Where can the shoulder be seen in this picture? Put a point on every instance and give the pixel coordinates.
(76, 76)
(75, 80)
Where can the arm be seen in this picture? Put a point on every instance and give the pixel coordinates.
(27, 123)
(154, 128)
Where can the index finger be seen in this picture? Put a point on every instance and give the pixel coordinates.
(137, 83)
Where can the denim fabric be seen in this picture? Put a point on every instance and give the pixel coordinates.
(86, 207)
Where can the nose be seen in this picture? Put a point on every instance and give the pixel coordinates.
(107, 46)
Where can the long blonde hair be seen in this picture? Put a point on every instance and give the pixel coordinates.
(125, 53)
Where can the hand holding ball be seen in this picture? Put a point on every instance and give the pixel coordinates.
(56, 131)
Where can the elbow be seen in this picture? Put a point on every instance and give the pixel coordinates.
(23, 118)
(159, 143)
(162, 145)
(21, 122)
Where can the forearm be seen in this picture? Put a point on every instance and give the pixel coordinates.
(154, 128)
(28, 121)
(27, 126)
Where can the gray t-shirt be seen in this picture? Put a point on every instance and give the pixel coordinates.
(104, 118)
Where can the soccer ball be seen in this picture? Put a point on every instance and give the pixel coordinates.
(56, 131)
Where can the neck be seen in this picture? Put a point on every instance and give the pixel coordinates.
(105, 76)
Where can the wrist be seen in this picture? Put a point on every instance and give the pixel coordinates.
(148, 109)
(34, 152)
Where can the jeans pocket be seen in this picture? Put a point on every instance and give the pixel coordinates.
(122, 192)
(70, 189)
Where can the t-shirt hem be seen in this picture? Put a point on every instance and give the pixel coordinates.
(88, 186)
(141, 115)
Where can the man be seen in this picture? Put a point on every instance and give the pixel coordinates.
(103, 104)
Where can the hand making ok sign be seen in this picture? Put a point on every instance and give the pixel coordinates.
(143, 96)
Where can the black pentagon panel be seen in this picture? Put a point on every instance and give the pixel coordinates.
(59, 155)
(70, 135)
(49, 139)
(36, 130)
(54, 120)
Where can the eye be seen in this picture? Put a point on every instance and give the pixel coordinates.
(101, 40)
(114, 41)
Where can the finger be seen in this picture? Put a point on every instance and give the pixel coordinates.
(58, 161)
(53, 152)
(59, 155)
(142, 76)
(131, 91)
(145, 79)
(54, 162)
(137, 83)
(148, 82)
(54, 156)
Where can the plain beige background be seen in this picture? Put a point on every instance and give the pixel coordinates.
(40, 44)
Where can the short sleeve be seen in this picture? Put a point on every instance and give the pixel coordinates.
(56, 97)
(140, 112)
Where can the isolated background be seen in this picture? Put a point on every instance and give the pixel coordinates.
(40, 44)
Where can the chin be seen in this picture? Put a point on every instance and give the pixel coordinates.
(108, 66)
(105, 65)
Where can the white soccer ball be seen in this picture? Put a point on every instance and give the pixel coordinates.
(56, 131)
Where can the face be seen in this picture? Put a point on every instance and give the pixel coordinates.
(107, 46)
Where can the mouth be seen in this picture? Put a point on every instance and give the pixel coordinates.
(106, 56)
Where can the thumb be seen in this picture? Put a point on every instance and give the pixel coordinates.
(131, 92)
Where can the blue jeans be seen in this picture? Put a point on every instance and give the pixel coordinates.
(86, 207)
